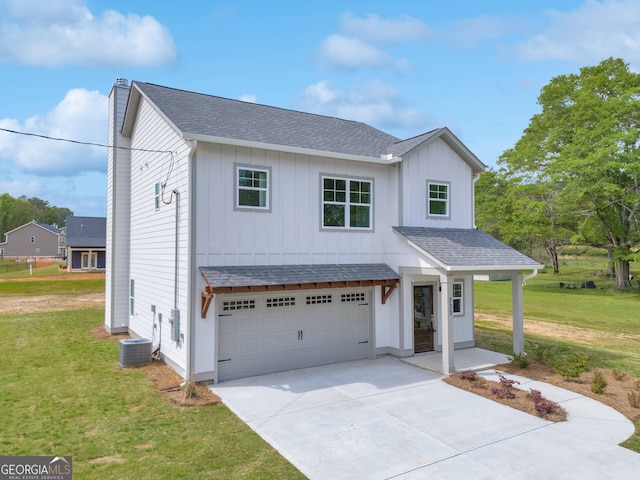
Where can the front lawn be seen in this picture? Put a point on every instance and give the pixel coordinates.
(62, 392)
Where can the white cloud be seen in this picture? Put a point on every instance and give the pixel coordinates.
(79, 116)
(345, 52)
(591, 33)
(248, 98)
(375, 103)
(65, 32)
(374, 29)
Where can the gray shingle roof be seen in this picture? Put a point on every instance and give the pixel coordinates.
(196, 113)
(458, 247)
(86, 231)
(276, 275)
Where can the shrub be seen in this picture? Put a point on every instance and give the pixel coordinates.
(634, 398)
(543, 353)
(469, 375)
(546, 407)
(542, 405)
(519, 359)
(571, 365)
(618, 375)
(190, 388)
(598, 383)
(505, 389)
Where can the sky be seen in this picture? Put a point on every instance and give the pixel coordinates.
(403, 66)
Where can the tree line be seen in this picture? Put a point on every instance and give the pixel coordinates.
(574, 175)
(15, 212)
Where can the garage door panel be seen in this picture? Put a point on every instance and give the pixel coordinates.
(311, 329)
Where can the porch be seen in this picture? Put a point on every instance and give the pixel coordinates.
(466, 359)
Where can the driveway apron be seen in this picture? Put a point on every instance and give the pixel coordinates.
(379, 419)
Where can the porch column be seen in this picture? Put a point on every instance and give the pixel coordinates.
(446, 309)
(518, 312)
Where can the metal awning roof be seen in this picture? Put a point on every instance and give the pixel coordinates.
(266, 278)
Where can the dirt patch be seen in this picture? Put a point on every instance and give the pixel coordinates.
(559, 332)
(50, 303)
(519, 399)
(167, 383)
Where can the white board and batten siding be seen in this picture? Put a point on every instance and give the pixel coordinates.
(118, 217)
(436, 162)
(153, 237)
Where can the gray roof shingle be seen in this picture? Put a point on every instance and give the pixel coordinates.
(197, 113)
(276, 275)
(86, 231)
(461, 247)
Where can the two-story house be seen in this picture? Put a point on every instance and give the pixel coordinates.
(33, 239)
(246, 239)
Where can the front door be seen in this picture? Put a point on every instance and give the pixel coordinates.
(422, 318)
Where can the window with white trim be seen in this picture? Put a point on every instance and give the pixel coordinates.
(132, 297)
(457, 294)
(252, 188)
(347, 203)
(437, 199)
(156, 196)
(32, 239)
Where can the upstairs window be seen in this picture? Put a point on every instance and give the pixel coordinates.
(32, 239)
(252, 188)
(347, 203)
(437, 199)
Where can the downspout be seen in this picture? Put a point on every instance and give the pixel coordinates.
(531, 275)
(192, 145)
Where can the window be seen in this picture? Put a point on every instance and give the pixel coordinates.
(437, 199)
(233, 305)
(457, 292)
(32, 239)
(1, 252)
(281, 302)
(252, 188)
(347, 203)
(353, 297)
(156, 196)
(132, 291)
(319, 299)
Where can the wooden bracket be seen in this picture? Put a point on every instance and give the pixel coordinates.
(387, 290)
(207, 296)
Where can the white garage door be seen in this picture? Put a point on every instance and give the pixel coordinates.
(280, 331)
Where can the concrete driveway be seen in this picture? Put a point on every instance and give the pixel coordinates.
(384, 418)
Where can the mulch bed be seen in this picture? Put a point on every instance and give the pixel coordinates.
(167, 383)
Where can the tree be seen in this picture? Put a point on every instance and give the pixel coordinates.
(587, 140)
(523, 212)
(15, 212)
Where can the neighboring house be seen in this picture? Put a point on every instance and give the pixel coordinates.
(32, 239)
(245, 239)
(86, 243)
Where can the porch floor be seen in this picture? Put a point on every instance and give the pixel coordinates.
(464, 359)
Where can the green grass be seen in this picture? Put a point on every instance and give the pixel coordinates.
(62, 392)
(49, 287)
(612, 317)
(48, 271)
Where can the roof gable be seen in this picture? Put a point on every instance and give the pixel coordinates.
(49, 228)
(404, 147)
